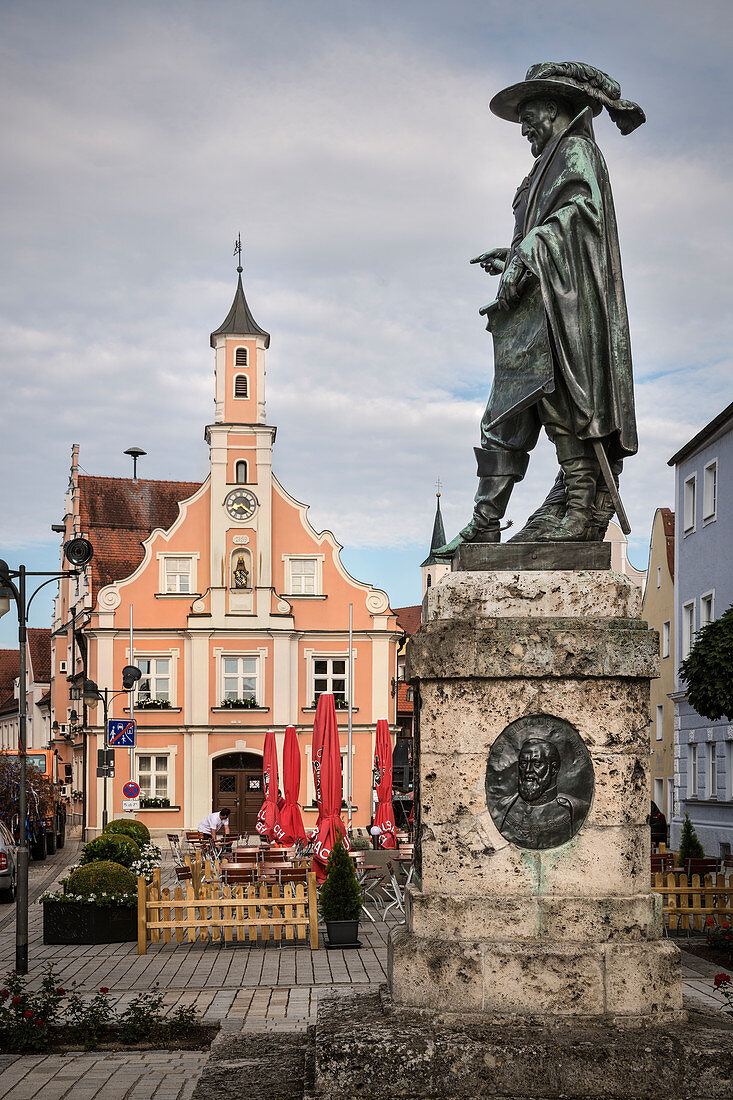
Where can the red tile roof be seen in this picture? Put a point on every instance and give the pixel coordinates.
(668, 523)
(118, 514)
(39, 644)
(9, 671)
(409, 618)
(403, 703)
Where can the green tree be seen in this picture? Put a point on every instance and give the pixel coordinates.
(690, 846)
(340, 893)
(708, 670)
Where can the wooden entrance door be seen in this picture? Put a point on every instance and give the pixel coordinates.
(237, 783)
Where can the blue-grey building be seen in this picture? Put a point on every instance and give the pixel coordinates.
(703, 591)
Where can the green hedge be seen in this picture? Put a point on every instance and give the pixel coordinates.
(104, 877)
(113, 848)
(139, 832)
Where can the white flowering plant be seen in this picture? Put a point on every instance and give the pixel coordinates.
(149, 861)
(100, 897)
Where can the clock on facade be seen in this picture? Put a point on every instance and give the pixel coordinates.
(241, 503)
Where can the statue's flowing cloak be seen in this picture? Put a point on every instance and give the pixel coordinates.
(569, 240)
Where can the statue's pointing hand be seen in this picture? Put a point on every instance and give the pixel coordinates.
(512, 283)
(492, 262)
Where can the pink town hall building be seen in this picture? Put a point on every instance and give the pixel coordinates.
(240, 611)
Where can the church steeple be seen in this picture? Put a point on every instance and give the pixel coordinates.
(433, 569)
(240, 346)
(239, 320)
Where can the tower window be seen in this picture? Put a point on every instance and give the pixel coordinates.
(241, 385)
(240, 358)
(240, 472)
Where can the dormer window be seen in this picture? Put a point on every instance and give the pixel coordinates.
(240, 472)
(241, 384)
(240, 358)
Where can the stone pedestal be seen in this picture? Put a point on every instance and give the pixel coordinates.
(534, 932)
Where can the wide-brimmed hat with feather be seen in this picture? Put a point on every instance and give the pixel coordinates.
(581, 84)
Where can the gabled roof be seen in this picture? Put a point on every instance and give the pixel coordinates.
(702, 436)
(408, 618)
(118, 514)
(9, 671)
(438, 538)
(404, 704)
(39, 644)
(239, 320)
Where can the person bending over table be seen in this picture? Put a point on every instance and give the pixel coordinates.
(215, 822)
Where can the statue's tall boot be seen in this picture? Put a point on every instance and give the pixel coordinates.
(547, 516)
(489, 507)
(580, 472)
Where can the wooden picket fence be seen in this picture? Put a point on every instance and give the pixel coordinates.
(687, 903)
(283, 914)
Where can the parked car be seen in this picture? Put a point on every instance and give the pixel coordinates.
(658, 823)
(8, 864)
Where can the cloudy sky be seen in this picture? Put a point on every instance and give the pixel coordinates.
(351, 145)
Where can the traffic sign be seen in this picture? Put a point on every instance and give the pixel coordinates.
(131, 789)
(130, 804)
(121, 733)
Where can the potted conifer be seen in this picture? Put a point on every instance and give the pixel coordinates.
(341, 899)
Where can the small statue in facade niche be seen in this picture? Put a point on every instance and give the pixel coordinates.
(562, 353)
(241, 573)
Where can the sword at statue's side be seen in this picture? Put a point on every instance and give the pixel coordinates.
(611, 485)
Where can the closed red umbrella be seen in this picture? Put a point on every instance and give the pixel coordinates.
(327, 773)
(291, 821)
(268, 819)
(384, 816)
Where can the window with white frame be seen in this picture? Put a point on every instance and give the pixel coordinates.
(330, 676)
(659, 723)
(239, 679)
(692, 771)
(710, 491)
(153, 775)
(240, 472)
(690, 493)
(241, 385)
(712, 770)
(688, 628)
(155, 682)
(729, 770)
(659, 793)
(241, 358)
(177, 574)
(666, 637)
(707, 608)
(670, 799)
(302, 579)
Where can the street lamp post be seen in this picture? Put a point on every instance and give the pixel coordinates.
(93, 695)
(79, 552)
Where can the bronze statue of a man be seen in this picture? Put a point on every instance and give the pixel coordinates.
(560, 327)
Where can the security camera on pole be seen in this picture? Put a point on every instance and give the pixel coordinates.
(78, 552)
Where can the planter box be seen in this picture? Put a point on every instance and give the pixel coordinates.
(85, 922)
(342, 933)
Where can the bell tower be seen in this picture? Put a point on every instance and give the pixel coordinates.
(434, 569)
(240, 443)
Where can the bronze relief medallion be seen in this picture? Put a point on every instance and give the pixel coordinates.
(539, 782)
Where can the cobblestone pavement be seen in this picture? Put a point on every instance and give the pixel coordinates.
(137, 1075)
(245, 988)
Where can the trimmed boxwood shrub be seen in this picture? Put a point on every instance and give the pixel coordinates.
(139, 832)
(340, 893)
(360, 843)
(104, 877)
(117, 848)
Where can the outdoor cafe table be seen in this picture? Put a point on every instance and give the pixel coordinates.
(405, 859)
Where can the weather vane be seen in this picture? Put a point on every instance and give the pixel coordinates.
(238, 251)
(438, 486)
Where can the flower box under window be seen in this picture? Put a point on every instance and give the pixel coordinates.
(239, 704)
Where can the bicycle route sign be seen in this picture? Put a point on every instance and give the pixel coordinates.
(121, 733)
